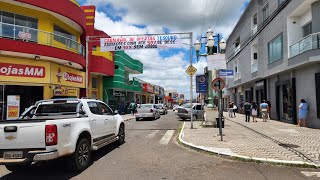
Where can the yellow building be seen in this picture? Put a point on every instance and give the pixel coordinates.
(41, 52)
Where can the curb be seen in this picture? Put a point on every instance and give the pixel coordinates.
(129, 119)
(222, 152)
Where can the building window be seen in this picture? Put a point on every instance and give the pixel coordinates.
(65, 37)
(116, 67)
(275, 48)
(265, 12)
(18, 26)
(255, 19)
(307, 29)
(94, 82)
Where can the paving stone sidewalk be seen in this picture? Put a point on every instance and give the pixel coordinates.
(127, 117)
(271, 141)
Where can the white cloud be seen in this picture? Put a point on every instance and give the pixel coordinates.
(176, 15)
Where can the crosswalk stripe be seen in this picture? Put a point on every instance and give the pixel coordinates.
(310, 174)
(167, 136)
(152, 134)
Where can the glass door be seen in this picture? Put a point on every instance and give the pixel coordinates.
(2, 107)
(287, 109)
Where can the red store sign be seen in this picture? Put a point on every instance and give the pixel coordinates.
(148, 88)
(21, 70)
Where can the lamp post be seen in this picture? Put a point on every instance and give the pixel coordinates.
(221, 45)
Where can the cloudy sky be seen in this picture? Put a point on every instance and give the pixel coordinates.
(167, 67)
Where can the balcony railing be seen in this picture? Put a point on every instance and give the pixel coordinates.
(237, 76)
(309, 42)
(237, 50)
(254, 29)
(31, 35)
(254, 67)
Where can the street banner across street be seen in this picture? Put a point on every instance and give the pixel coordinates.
(120, 43)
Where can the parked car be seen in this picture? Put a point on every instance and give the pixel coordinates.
(162, 108)
(147, 111)
(175, 107)
(69, 128)
(184, 112)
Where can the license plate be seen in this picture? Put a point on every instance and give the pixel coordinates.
(143, 115)
(13, 155)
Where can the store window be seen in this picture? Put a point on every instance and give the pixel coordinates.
(65, 37)
(275, 48)
(18, 26)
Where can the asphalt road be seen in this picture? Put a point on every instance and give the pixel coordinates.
(150, 152)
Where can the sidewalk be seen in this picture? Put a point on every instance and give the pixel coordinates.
(127, 117)
(271, 141)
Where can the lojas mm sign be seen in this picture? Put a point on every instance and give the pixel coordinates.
(20, 70)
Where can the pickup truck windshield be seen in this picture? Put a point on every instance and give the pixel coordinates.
(56, 108)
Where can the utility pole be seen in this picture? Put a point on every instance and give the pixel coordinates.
(191, 84)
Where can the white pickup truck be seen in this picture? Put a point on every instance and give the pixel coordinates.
(70, 128)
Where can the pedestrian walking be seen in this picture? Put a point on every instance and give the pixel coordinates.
(269, 110)
(230, 110)
(303, 112)
(264, 110)
(254, 111)
(122, 108)
(247, 109)
(235, 108)
(133, 107)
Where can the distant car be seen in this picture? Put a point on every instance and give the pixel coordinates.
(162, 108)
(184, 112)
(147, 111)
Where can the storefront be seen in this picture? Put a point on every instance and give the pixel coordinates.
(261, 91)
(23, 82)
(286, 101)
(148, 93)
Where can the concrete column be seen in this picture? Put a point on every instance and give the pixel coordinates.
(315, 10)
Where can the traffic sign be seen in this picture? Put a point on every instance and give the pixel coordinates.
(226, 73)
(191, 70)
(218, 84)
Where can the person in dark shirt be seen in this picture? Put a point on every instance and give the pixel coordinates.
(247, 109)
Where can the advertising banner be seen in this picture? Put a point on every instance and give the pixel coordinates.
(216, 61)
(65, 91)
(13, 106)
(202, 83)
(140, 42)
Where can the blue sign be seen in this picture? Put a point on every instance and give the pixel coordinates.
(202, 84)
(226, 73)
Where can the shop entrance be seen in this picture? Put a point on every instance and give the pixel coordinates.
(28, 96)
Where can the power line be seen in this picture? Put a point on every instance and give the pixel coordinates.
(214, 11)
(204, 17)
(220, 13)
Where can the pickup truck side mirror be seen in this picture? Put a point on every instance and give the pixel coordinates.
(115, 112)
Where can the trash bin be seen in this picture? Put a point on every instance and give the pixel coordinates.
(218, 122)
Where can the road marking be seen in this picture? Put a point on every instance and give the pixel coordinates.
(154, 132)
(166, 138)
(310, 174)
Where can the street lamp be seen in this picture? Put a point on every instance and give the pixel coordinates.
(221, 45)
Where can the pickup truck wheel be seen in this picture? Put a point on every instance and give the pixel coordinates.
(81, 157)
(17, 168)
(121, 135)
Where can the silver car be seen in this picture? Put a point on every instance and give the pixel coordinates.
(145, 111)
(184, 112)
(162, 108)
